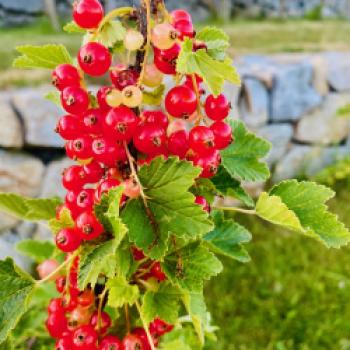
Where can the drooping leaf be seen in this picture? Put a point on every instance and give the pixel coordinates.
(307, 200)
(229, 186)
(39, 251)
(72, 27)
(242, 159)
(47, 56)
(171, 207)
(227, 238)
(190, 266)
(64, 221)
(16, 288)
(272, 208)
(121, 292)
(154, 97)
(164, 303)
(31, 209)
(213, 72)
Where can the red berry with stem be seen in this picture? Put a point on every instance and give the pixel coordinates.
(223, 134)
(88, 14)
(159, 327)
(75, 100)
(65, 75)
(122, 76)
(94, 59)
(81, 147)
(181, 102)
(137, 253)
(110, 342)
(78, 317)
(184, 28)
(69, 127)
(56, 324)
(201, 139)
(178, 144)
(86, 298)
(179, 15)
(93, 121)
(68, 240)
(217, 108)
(56, 306)
(121, 123)
(203, 202)
(209, 162)
(102, 94)
(150, 139)
(85, 338)
(61, 284)
(85, 199)
(141, 333)
(93, 172)
(132, 342)
(104, 187)
(64, 343)
(71, 203)
(74, 178)
(157, 273)
(165, 60)
(156, 117)
(101, 323)
(108, 151)
(88, 227)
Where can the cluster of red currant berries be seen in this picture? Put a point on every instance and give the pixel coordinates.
(77, 322)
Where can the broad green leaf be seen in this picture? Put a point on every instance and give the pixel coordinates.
(272, 209)
(47, 56)
(16, 288)
(171, 207)
(37, 250)
(190, 266)
(180, 339)
(72, 27)
(28, 208)
(65, 220)
(229, 186)
(121, 292)
(164, 303)
(242, 159)
(216, 40)
(213, 72)
(227, 238)
(110, 33)
(307, 200)
(154, 97)
(54, 97)
(175, 344)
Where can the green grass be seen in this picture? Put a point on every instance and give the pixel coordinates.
(293, 295)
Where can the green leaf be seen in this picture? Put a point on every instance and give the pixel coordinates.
(7, 344)
(72, 27)
(229, 186)
(54, 97)
(39, 251)
(227, 238)
(175, 344)
(205, 188)
(154, 97)
(164, 303)
(111, 33)
(47, 56)
(190, 266)
(213, 72)
(272, 209)
(28, 208)
(171, 207)
(121, 292)
(16, 288)
(307, 201)
(180, 339)
(65, 220)
(242, 159)
(216, 40)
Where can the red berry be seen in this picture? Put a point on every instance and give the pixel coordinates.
(141, 333)
(181, 102)
(121, 123)
(108, 151)
(178, 144)
(68, 240)
(101, 325)
(93, 172)
(157, 273)
(46, 268)
(69, 301)
(131, 188)
(56, 306)
(150, 139)
(65, 75)
(85, 338)
(78, 317)
(81, 147)
(122, 76)
(179, 15)
(64, 343)
(223, 134)
(93, 121)
(137, 254)
(88, 227)
(56, 324)
(156, 117)
(209, 163)
(86, 298)
(75, 100)
(132, 342)
(217, 108)
(102, 95)
(74, 178)
(69, 127)
(88, 14)
(85, 199)
(159, 327)
(203, 202)
(165, 60)
(184, 28)
(61, 284)
(110, 342)
(94, 59)
(104, 187)
(201, 139)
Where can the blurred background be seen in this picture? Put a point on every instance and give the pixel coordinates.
(294, 58)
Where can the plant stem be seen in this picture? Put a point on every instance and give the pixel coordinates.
(99, 310)
(145, 326)
(199, 111)
(127, 318)
(239, 210)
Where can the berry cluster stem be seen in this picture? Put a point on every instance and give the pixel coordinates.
(145, 326)
(239, 210)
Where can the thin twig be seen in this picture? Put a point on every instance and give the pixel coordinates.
(199, 111)
(145, 326)
(127, 318)
(99, 310)
(239, 210)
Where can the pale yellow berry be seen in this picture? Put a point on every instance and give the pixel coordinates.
(114, 98)
(152, 76)
(132, 96)
(164, 36)
(133, 40)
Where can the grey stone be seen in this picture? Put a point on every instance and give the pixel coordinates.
(11, 133)
(40, 117)
(323, 125)
(338, 64)
(280, 136)
(25, 6)
(254, 103)
(7, 222)
(293, 95)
